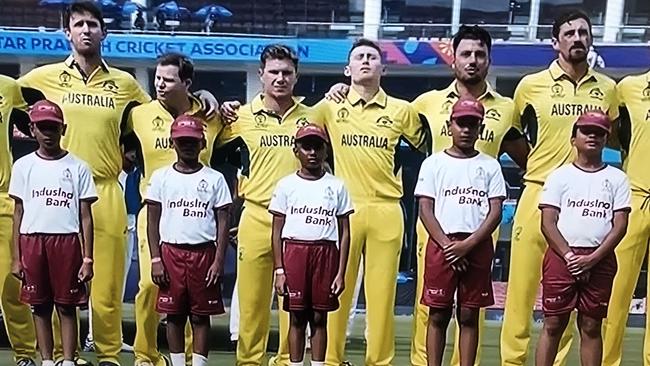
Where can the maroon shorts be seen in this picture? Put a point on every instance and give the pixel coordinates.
(441, 282)
(187, 293)
(561, 292)
(51, 264)
(310, 268)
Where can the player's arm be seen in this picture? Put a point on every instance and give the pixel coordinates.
(515, 145)
(413, 128)
(337, 92)
(16, 265)
(229, 111)
(276, 241)
(344, 250)
(87, 230)
(208, 101)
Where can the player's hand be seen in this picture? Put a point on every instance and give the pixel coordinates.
(228, 111)
(337, 93)
(209, 102)
(338, 285)
(17, 269)
(579, 264)
(159, 274)
(213, 274)
(456, 249)
(86, 272)
(280, 283)
(460, 265)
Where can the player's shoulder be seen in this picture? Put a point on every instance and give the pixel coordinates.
(397, 103)
(431, 95)
(121, 76)
(48, 69)
(604, 79)
(633, 81)
(7, 81)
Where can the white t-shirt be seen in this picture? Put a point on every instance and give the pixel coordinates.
(587, 202)
(50, 191)
(461, 189)
(311, 207)
(188, 202)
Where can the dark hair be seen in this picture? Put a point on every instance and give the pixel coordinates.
(568, 16)
(278, 52)
(475, 33)
(83, 7)
(368, 43)
(184, 64)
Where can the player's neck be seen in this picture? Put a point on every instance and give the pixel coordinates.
(311, 174)
(188, 166)
(279, 106)
(50, 154)
(87, 64)
(366, 91)
(589, 162)
(575, 71)
(475, 90)
(462, 153)
(177, 106)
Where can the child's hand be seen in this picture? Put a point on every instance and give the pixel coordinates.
(455, 250)
(159, 274)
(17, 269)
(280, 283)
(213, 274)
(460, 265)
(338, 285)
(85, 272)
(578, 264)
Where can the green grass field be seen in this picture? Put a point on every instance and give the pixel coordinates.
(220, 355)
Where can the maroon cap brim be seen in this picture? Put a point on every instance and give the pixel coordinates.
(592, 124)
(192, 134)
(467, 114)
(313, 134)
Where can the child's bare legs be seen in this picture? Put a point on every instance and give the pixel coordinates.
(468, 339)
(43, 322)
(549, 339)
(201, 334)
(591, 340)
(318, 325)
(176, 338)
(298, 325)
(437, 334)
(69, 336)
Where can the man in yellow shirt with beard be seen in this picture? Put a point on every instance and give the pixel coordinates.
(548, 102)
(151, 126)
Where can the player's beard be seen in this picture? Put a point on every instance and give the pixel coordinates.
(578, 58)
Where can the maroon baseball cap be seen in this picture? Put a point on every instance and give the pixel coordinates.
(595, 118)
(46, 111)
(187, 126)
(312, 130)
(467, 107)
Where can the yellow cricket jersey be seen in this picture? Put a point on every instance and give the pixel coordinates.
(500, 118)
(10, 98)
(269, 140)
(365, 137)
(93, 107)
(549, 103)
(151, 123)
(634, 96)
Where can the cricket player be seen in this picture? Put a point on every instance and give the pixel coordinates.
(187, 227)
(265, 129)
(472, 49)
(16, 315)
(634, 134)
(53, 192)
(311, 238)
(460, 192)
(548, 102)
(365, 130)
(585, 208)
(154, 149)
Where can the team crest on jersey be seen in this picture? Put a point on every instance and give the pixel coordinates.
(157, 124)
(647, 115)
(445, 108)
(302, 121)
(202, 186)
(329, 194)
(2, 101)
(342, 115)
(384, 121)
(557, 91)
(64, 79)
(480, 174)
(493, 114)
(596, 94)
(646, 92)
(110, 86)
(260, 120)
(607, 187)
(66, 176)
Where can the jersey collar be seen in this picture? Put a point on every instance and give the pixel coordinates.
(452, 91)
(257, 105)
(195, 106)
(557, 73)
(380, 99)
(72, 64)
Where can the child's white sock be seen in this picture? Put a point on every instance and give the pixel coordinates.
(318, 363)
(47, 363)
(301, 363)
(199, 360)
(68, 363)
(178, 359)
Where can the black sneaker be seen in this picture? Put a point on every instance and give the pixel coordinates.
(108, 363)
(25, 362)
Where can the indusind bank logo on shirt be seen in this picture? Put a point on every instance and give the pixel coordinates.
(314, 215)
(466, 195)
(193, 208)
(54, 196)
(590, 208)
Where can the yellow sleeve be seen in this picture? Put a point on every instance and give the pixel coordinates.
(419, 104)
(28, 80)
(137, 93)
(229, 133)
(319, 113)
(521, 102)
(613, 103)
(412, 129)
(17, 100)
(515, 117)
